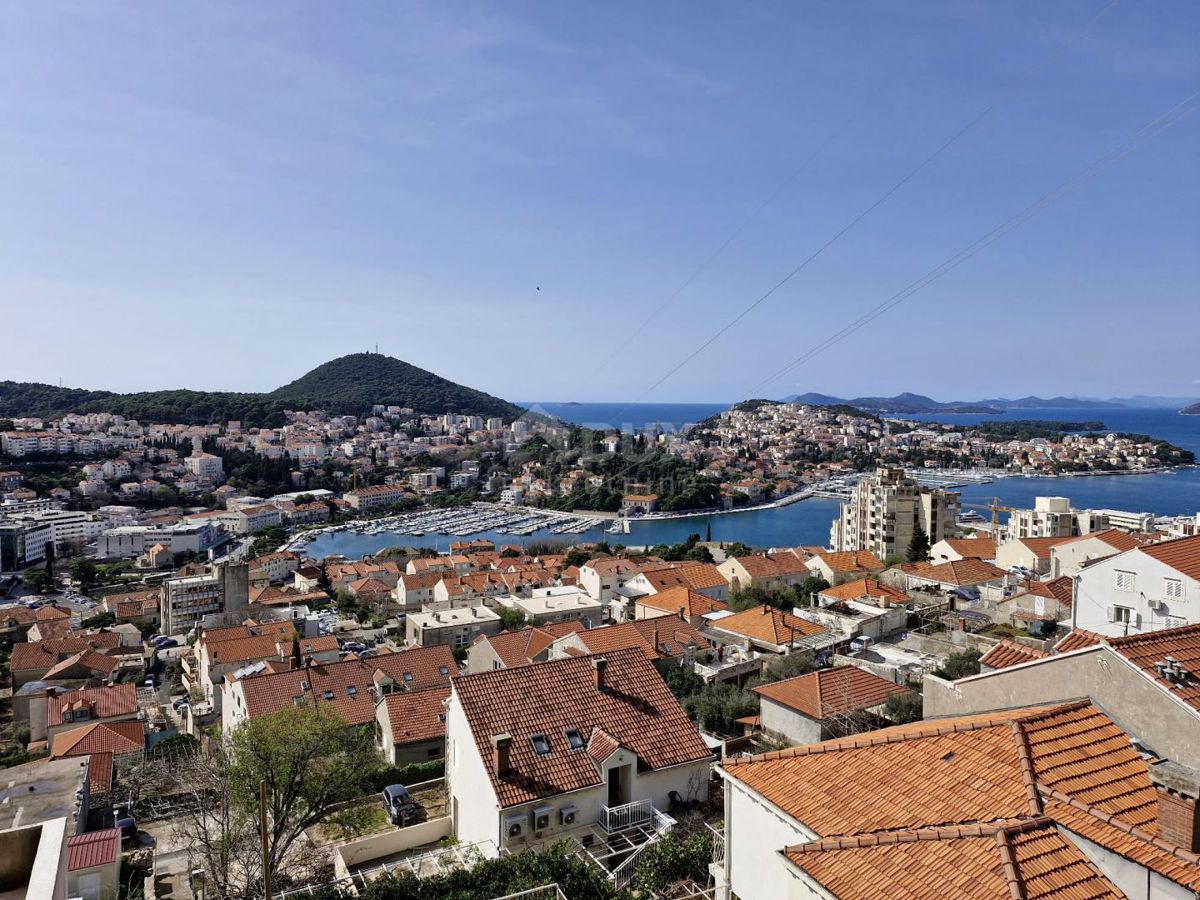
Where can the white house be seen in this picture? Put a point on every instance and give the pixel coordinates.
(1070, 557)
(590, 744)
(1141, 590)
(1035, 796)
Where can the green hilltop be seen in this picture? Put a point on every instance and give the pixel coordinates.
(349, 385)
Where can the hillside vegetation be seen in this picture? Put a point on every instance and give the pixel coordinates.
(350, 385)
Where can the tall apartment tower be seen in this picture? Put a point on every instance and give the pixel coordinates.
(884, 510)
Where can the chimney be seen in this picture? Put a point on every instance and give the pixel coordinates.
(600, 664)
(308, 662)
(501, 749)
(763, 611)
(1178, 789)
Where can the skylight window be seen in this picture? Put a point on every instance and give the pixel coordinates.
(408, 676)
(352, 691)
(574, 738)
(328, 695)
(541, 744)
(304, 685)
(444, 670)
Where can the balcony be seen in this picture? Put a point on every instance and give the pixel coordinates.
(615, 843)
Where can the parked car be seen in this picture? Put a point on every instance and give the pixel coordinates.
(167, 643)
(966, 593)
(399, 804)
(129, 829)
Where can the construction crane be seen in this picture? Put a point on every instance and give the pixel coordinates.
(996, 509)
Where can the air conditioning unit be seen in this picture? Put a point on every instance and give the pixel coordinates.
(514, 828)
(542, 818)
(568, 815)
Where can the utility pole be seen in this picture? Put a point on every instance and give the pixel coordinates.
(262, 824)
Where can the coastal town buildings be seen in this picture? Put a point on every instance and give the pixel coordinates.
(887, 509)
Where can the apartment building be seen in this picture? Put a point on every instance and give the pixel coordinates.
(374, 497)
(1053, 517)
(188, 599)
(884, 511)
(456, 628)
(205, 465)
(1144, 589)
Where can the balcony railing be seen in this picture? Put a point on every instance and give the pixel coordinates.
(718, 844)
(545, 892)
(628, 815)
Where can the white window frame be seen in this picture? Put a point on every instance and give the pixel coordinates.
(1122, 615)
(1172, 588)
(1124, 581)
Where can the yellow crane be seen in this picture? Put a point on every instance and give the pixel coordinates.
(996, 509)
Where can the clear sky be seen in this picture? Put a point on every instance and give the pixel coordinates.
(223, 195)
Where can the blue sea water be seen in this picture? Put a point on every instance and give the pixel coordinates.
(807, 522)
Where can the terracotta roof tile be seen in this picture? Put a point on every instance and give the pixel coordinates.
(101, 702)
(963, 572)
(1010, 653)
(994, 861)
(1077, 639)
(346, 684)
(831, 692)
(1182, 554)
(1147, 650)
(697, 576)
(117, 738)
(417, 716)
(518, 648)
(682, 599)
(973, 548)
(673, 637)
(768, 625)
(636, 709)
(865, 587)
(847, 561)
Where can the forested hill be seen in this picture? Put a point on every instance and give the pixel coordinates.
(350, 385)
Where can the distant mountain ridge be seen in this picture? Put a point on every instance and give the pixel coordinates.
(1191, 410)
(349, 385)
(918, 403)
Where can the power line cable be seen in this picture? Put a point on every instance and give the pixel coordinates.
(1146, 133)
(1021, 81)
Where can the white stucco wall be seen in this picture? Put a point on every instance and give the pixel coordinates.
(754, 835)
(1096, 591)
(796, 727)
(468, 782)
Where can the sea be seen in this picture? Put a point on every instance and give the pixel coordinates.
(807, 522)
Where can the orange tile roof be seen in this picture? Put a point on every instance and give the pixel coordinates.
(1041, 546)
(831, 692)
(1182, 554)
(697, 576)
(768, 625)
(864, 587)
(847, 561)
(768, 565)
(117, 738)
(1077, 639)
(1025, 858)
(100, 772)
(249, 628)
(1013, 764)
(518, 648)
(417, 716)
(973, 548)
(426, 667)
(682, 600)
(963, 572)
(101, 702)
(636, 709)
(1119, 540)
(88, 659)
(673, 637)
(1146, 650)
(45, 654)
(1010, 653)
(1060, 589)
(21, 615)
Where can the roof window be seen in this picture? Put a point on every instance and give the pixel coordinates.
(574, 738)
(445, 670)
(408, 676)
(352, 691)
(328, 695)
(304, 686)
(541, 744)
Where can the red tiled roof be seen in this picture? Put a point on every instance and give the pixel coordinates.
(21, 615)
(1146, 650)
(682, 600)
(767, 565)
(977, 770)
(102, 702)
(1010, 653)
(844, 562)
(963, 572)
(117, 738)
(249, 628)
(697, 576)
(417, 716)
(45, 654)
(831, 692)
(1182, 554)
(1119, 540)
(673, 637)
(973, 548)
(88, 659)
(100, 772)
(1077, 639)
(518, 648)
(993, 861)
(426, 667)
(636, 709)
(95, 848)
(768, 625)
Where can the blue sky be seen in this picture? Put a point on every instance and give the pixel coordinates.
(222, 195)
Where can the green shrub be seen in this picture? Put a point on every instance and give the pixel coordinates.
(413, 773)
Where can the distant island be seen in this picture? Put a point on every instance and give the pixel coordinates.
(1193, 410)
(349, 385)
(908, 403)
